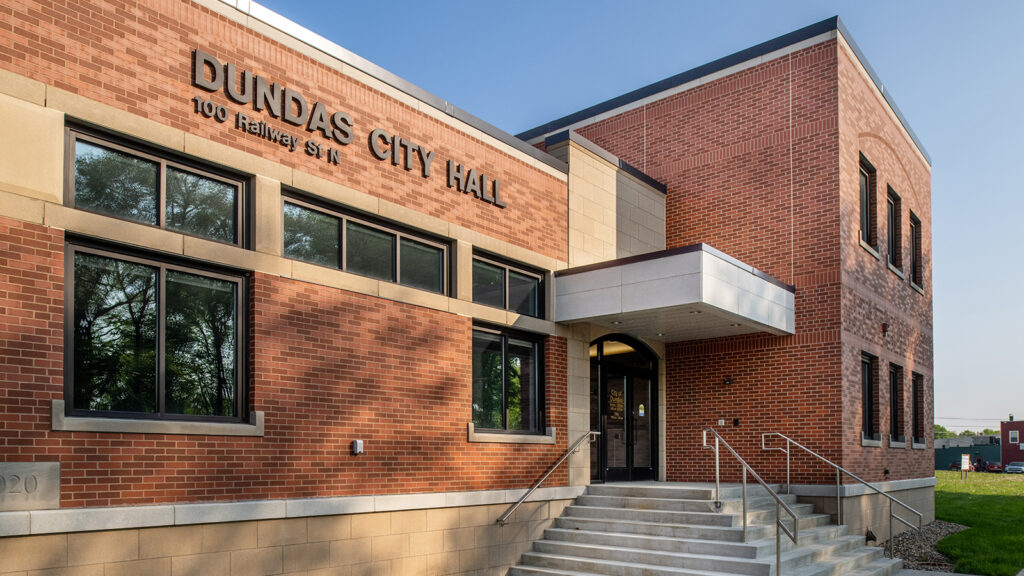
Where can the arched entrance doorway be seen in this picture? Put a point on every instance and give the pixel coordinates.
(623, 396)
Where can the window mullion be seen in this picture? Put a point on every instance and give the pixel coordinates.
(161, 192)
(504, 382)
(161, 327)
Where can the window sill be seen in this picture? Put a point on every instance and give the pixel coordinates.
(897, 443)
(505, 438)
(870, 442)
(920, 446)
(870, 249)
(916, 287)
(897, 271)
(59, 421)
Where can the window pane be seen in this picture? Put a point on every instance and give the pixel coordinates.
(115, 335)
(115, 183)
(311, 236)
(370, 252)
(488, 284)
(523, 292)
(200, 371)
(865, 209)
(522, 385)
(488, 389)
(422, 265)
(202, 206)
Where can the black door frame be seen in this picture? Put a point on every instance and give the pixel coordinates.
(599, 444)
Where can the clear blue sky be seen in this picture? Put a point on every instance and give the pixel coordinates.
(955, 69)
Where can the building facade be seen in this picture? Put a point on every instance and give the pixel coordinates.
(268, 308)
(1011, 436)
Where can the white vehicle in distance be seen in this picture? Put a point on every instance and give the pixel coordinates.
(1014, 468)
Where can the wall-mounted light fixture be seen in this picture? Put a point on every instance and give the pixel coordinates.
(727, 381)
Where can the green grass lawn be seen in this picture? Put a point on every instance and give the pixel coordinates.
(993, 506)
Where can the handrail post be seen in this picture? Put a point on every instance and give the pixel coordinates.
(789, 489)
(892, 544)
(839, 501)
(718, 485)
(778, 539)
(744, 497)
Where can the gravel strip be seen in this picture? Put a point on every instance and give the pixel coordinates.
(917, 550)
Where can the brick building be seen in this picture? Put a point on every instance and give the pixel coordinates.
(1011, 440)
(258, 290)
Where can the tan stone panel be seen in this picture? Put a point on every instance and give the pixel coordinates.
(115, 119)
(216, 564)
(442, 563)
(476, 516)
(99, 547)
(235, 256)
(32, 151)
(377, 524)
(478, 311)
(390, 547)
(14, 205)
(423, 543)
(411, 566)
(488, 536)
(93, 570)
(413, 296)
(337, 193)
(170, 541)
(280, 532)
(354, 551)
(22, 88)
(33, 552)
(528, 511)
(325, 528)
(514, 532)
(463, 259)
(474, 559)
(112, 228)
(442, 518)
(232, 158)
(459, 539)
(334, 278)
(299, 557)
(259, 562)
(229, 536)
(408, 521)
(331, 571)
(382, 568)
(151, 567)
(268, 232)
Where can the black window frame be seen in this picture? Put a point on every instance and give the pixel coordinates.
(344, 216)
(538, 341)
(916, 266)
(75, 244)
(894, 225)
(867, 184)
(165, 160)
(510, 266)
(917, 408)
(897, 431)
(869, 397)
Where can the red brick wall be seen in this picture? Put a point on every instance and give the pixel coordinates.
(1011, 452)
(873, 295)
(756, 166)
(329, 367)
(749, 161)
(136, 56)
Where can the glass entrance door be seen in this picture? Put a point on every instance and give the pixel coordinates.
(622, 409)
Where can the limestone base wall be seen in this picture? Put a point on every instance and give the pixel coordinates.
(444, 541)
(865, 512)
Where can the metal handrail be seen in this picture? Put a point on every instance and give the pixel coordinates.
(504, 517)
(839, 470)
(779, 504)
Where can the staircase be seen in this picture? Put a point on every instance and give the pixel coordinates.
(654, 529)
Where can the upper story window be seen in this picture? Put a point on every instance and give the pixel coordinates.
(506, 381)
(868, 229)
(895, 230)
(125, 182)
(916, 272)
(331, 238)
(896, 433)
(917, 418)
(506, 286)
(1014, 436)
(151, 338)
(869, 397)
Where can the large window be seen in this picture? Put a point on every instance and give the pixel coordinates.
(335, 239)
(896, 433)
(124, 182)
(916, 273)
(506, 381)
(867, 203)
(895, 230)
(869, 397)
(917, 392)
(504, 286)
(152, 339)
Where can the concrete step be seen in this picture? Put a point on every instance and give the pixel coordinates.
(524, 570)
(724, 533)
(657, 516)
(608, 567)
(866, 559)
(676, 491)
(680, 504)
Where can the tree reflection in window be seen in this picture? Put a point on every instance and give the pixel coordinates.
(115, 332)
(115, 183)
(505, 383)
(201, 205)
